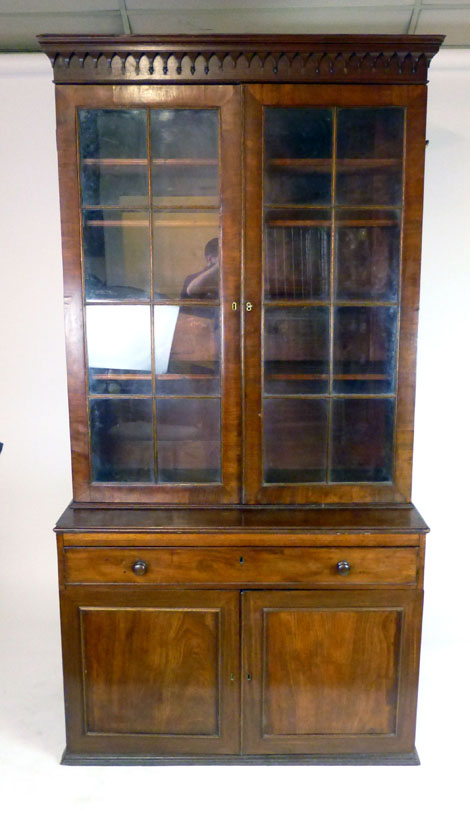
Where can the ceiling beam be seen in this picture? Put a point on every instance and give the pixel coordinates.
(126, 25)
(412, 25)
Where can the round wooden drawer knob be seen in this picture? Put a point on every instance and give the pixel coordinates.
(139, 568)
(343, 567)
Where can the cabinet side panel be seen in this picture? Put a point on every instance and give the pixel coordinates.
(411, 268)
(71, 257)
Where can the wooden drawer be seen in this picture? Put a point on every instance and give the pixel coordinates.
(242, 566)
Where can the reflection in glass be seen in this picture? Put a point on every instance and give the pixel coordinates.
(177, 133)
(187, 350)
(115, 184)
(185, 153)
(369, 156)
(113, 153)
(113, 133)
(374, 132)
(298, 132)
(367, 254)
(297, 254)
(172, 183)
(369, 185)
(296, 350)
(364, 349)
(118, 343)
(116, 253)
(188, 438)
(295, 440)
(362, 440)
(298, 152)
(297, 184)
(122, 440)
(186, 255)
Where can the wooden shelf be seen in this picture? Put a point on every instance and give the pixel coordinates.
(186, 376)
(325, 376)
(117, 223)
(148, 376)
(325, 223)
(296, 223)
(139, 162)
(309, 164)
(156, 223)
(185, 162)
(365, 164)
(121, 376)
(342, 164)
(114, 162)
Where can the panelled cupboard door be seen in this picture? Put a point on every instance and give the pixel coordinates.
(334, 182)
(151, 672)
(330, 672)
(151, 213)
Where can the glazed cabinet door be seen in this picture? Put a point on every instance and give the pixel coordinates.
(151, 672)
(334, 179)
(330, 672)
(151, 211)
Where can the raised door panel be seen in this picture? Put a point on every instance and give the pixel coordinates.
(151, 218)
(334, 195)
(329, 672)
(158, 674)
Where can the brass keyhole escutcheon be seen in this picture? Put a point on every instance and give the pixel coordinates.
(248, 307)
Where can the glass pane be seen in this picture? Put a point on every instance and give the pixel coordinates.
(298, 153)
(186, 255)
(373, 132)
(118, 342)
(369, 156)
(362, 440)
(297, 254)
(185, 154)
(187, 350)
(116, 254)
(115, 184)
(113, 152)
(295, 440)
(364, 350)
(296, 349)
(188, 433)
(113, 133)
(367, 254)
(122, 440)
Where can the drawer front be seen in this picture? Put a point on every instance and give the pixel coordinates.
(339, 567)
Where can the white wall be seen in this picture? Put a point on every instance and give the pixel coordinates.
(35, 483)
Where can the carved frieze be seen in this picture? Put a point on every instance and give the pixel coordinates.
(231, 59)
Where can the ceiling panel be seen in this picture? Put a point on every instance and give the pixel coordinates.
(231, 5)
(18, 32)
(21, 20)
(72, 6)
(454, 23)
(272, 21)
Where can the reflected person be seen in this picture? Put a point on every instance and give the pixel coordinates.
(204, 284)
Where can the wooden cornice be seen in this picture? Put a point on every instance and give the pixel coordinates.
(142, 59)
